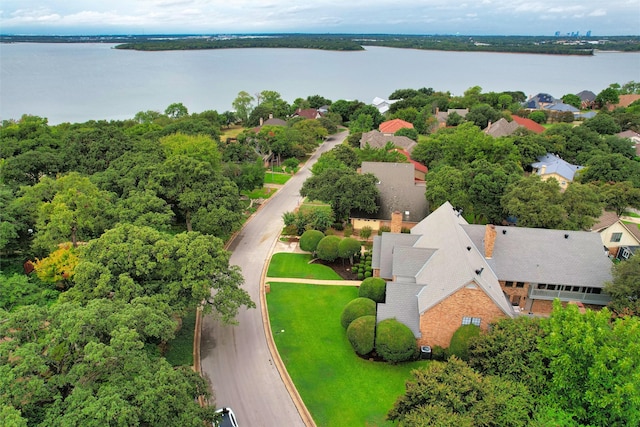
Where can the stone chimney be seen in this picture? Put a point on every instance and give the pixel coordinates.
(489, 240)
(396, 222)
(261, 121)
(543, 169)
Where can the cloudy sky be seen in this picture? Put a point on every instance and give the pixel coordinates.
(474, 17)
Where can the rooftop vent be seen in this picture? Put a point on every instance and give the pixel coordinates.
(504, 231)
(566, 236)
(479, 271)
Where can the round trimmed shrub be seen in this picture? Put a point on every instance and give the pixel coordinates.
(459, 345)
(368, 274)
(357, 308)
(395, 341)
(374, 288)
(348, 248)
(327, 249)
(361, 333)
(310, 239)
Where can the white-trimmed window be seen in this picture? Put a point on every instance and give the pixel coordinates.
(471, 320)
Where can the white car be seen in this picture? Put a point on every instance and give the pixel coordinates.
(228, 418)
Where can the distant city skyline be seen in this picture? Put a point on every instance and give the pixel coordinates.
(483, 17)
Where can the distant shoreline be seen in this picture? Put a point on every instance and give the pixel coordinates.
(556, 45)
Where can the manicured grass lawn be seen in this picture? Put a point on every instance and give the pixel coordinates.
(308, 206)
(338, 387)
(276, 178)
(260, 193)
(297, 266)
(631, 214)
(180, 352)
(231, 132)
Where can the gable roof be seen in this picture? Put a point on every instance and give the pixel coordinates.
(555, 165)
(308, 113)
(625, 101)
(442, 116)
(539, 255)
(392, 126)
(529, 124)
(586, 95)
(399, 191)
(377, 139)
(501, 128)
(429, 265)
(607, 219)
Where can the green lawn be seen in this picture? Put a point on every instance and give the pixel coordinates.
(631, 214)
(297, 266)
(338, 387)
(260, 193)
(276, 178)
(180, 349)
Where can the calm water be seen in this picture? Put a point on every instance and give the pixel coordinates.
(79, 82)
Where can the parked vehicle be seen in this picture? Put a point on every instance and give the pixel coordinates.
(228, 418)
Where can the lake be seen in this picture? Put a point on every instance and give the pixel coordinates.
(84, 81)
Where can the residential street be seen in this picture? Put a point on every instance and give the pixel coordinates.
(236, 359)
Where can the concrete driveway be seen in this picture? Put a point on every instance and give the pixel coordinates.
(236, 359)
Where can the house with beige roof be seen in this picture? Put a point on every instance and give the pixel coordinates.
(617, 234)
(376, 139)
(447, 273)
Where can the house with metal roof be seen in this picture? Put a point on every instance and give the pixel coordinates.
(552, 166)
(447, 273)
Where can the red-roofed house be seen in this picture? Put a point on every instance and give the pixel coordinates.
(624, 101)
(529, 124)
(308, 113)
(390, 127)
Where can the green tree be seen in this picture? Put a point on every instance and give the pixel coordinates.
(625, 288)
(452, 394)
(199, 147)
(409, 133)
(603, 123)
(128, 262)
(515, 340)
(573, 100)
(611, 168)
(583, 206)
(482, 114)
(243, 106)
(87, 364)
(176, 110)
(460, 340)
(618, 196)
(144, 208)
(343, 190)
(327, 248)
(535, 203)
(310, 239)
(78, 211)
(361, 124)
(447, 183)
(538, 117)
(607, 96)
(593, 365)
(348, 247)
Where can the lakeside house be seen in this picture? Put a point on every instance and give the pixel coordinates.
(446, 273)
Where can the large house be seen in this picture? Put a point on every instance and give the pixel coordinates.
(447, 273)
(552, 166)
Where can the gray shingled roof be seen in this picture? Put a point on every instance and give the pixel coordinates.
(377, 139)
(398, 190)
(539, 255)
(501, 128)
(402, 305)
(409, 261)
(389, 241)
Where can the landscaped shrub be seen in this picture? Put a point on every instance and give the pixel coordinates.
(383, 228)
(310, 239)
(374, 288)
(327, 249)
(348, 247)
(357, 308)
(361, 333)
(348, 230)
(368, 274)
(360, 275)
(395, 341)
(439, 353)
(365, 232)
(459, 345)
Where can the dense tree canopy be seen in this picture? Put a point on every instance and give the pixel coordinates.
(625, 287)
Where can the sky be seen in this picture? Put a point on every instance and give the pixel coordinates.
(468, 17)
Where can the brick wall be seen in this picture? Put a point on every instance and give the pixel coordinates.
(440, 322)
(514, 292)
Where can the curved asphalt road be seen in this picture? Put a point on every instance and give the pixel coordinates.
(235, 359)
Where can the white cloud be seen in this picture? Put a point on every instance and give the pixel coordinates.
(487, 16)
